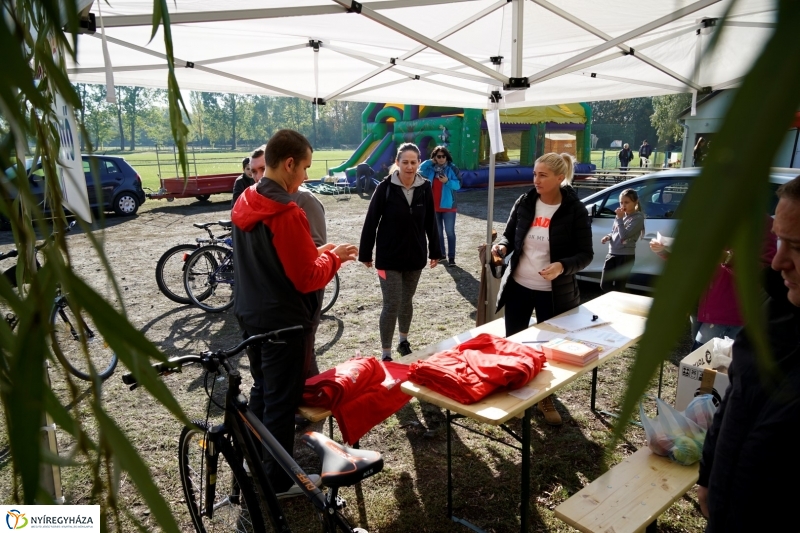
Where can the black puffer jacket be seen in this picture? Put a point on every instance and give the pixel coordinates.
(570, 244)
(749, 451)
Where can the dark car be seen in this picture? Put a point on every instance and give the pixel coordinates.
(120, 184)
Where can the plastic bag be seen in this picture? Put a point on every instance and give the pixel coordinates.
(701, 411)
(671, 434)
(721, 354)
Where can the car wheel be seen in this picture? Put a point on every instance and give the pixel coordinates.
(126, 204)
(203, 197)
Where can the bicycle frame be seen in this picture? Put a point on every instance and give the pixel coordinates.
(248, 432)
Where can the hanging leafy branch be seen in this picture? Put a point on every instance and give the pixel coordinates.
(35, 39)
(728, 202)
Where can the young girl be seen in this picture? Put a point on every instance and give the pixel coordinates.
(628, 228)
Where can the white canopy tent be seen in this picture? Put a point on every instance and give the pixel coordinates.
(455, 53)
(434, 52)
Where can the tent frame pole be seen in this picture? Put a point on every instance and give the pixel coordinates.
(622, 46)
(675, 15)
(450, 31)
(430, 43)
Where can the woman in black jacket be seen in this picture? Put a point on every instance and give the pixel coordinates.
(550, 237)
(401, 213)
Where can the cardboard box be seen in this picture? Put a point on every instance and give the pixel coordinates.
(695, 373)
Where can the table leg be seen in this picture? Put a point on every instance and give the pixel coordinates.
(660, 379)
(449, 470)
(594, 388)
(330, 427)
(526, 470)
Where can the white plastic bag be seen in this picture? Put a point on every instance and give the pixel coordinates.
(701, 411)
(671, 434)
(721, 354)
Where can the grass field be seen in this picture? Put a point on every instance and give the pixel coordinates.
(151, 166)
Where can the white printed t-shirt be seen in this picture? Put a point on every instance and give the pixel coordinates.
(536, 250)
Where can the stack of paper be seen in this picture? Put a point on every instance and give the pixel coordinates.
(571, 351)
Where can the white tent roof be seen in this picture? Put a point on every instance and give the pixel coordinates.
(579, 50)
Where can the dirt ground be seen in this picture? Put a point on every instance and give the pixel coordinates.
(410, 494)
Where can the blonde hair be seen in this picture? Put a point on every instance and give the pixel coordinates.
(560, 164)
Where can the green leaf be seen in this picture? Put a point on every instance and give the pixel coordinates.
(130, 345)
(138, 471)
(727, 202)
(24, 398)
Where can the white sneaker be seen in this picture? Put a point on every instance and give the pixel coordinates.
(295, 490)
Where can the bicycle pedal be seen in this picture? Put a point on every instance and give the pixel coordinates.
(341, 503)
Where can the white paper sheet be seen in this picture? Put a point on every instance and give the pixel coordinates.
(666, 241)
(617, 334)
(523, 393)
(577, 319)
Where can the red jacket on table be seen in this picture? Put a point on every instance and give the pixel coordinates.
(478, 367)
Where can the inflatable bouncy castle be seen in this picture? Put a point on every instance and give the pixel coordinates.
(527, 133)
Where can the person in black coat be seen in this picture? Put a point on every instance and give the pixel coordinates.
(625, 158)
(399, 218)
(550, 239)
(749, 452)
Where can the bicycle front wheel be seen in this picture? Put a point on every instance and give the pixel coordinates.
(236, 506)
(169, 272)
(331, 293)
(69, 332)
(208, 278)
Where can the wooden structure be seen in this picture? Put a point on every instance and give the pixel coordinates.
(630, 497)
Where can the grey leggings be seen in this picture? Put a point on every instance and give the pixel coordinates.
(398, 288)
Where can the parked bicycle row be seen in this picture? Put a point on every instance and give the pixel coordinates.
(201, 273)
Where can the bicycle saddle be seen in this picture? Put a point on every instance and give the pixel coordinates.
(224, 223)
(342, 466)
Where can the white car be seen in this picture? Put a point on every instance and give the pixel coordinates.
(660, 195)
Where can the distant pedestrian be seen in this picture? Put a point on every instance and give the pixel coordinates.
(645, 151)
(627, 229)
(246, 179)
(443, 174)
(699, 153)
(625, 157)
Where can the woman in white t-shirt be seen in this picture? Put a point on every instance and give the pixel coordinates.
(550, 236)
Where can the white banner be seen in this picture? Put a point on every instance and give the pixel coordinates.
(493, 126)
(50, 518)
(70, 166)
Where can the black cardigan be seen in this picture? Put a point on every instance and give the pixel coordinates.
(398, 230)
(570, 244)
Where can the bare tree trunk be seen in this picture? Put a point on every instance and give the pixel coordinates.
(119, 120)
(133, 94)
(233, 121)
(83, 115)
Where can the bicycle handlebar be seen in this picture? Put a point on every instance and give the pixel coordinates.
(15, 252)
(209, 359)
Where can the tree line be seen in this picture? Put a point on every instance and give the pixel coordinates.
(230, 121)
(218, 120)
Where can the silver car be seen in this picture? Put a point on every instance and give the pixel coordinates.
(660, 195)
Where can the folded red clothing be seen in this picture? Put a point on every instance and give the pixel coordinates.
(361, 393)
(333, 386)
(478, 367)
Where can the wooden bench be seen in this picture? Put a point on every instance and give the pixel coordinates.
(630, 497)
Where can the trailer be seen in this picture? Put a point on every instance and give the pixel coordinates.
(201, 187)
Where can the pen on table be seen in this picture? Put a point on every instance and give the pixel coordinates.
(594, 318)
(532, 342)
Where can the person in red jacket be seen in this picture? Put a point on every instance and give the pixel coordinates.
(278, 272)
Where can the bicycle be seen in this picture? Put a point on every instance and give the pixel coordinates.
(172, 263)
(208, 279)
(69, 331)
(222, 495)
